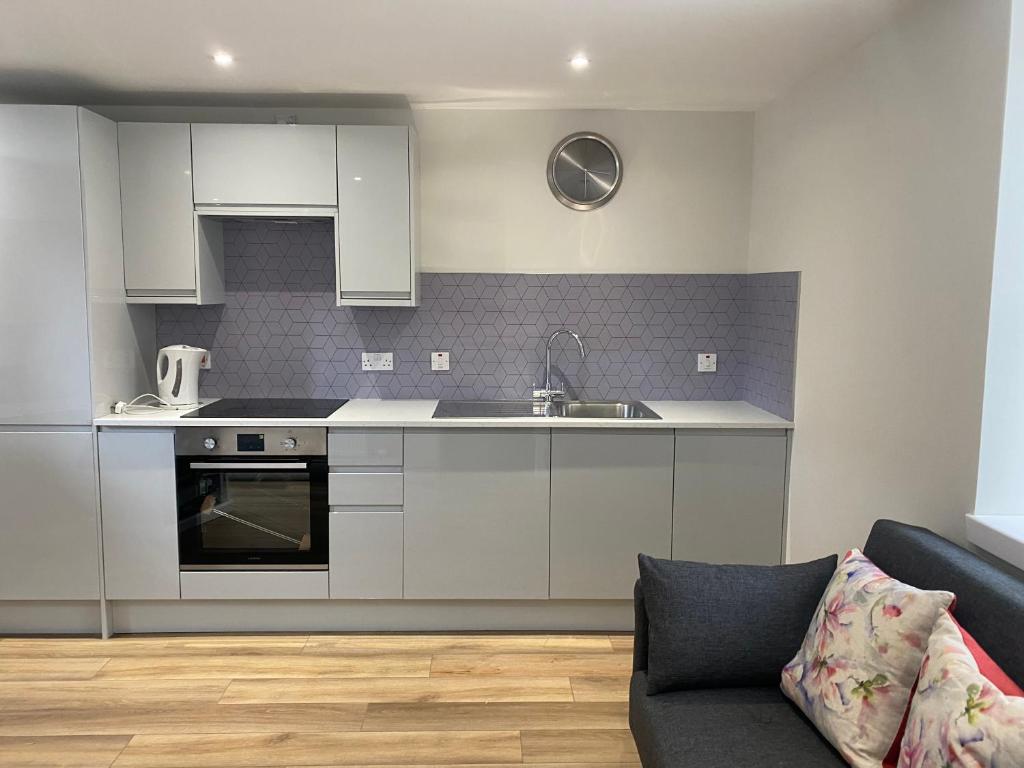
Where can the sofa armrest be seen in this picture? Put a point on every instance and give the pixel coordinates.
(640, 629)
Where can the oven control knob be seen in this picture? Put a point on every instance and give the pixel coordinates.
(209, 443)
(289, 443)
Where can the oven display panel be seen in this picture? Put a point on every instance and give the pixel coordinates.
(252, 443)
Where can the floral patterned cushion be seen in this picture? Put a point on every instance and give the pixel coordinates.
(859, 660)
(958, 715)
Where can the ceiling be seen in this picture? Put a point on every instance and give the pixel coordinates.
(645, 54)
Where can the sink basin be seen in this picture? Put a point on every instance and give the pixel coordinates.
(582, 409)
(570, 409)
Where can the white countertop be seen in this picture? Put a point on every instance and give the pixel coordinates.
(675, 414)
(1002, 535)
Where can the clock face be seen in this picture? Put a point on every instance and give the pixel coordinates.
(584, 171)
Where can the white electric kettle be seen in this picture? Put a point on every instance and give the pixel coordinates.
(177, 374)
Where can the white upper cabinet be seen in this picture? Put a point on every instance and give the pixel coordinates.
(376, 213)
(180, 181)
(44, 342)
(264, 165)
(156, 210)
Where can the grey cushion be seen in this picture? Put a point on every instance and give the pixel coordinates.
(989, 598)
(726, 625)
(724, 728)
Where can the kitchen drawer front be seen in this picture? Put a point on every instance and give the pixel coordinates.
(365, 448)
(368, 489)
(254, 585)
(366, 553)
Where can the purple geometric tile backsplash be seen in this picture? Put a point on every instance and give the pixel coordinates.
(769, 340)
(279, 333)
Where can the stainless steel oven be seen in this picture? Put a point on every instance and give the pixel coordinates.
(251, 498)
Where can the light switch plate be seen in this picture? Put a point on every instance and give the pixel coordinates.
(439, 361)
(707, 362)
(378, 361)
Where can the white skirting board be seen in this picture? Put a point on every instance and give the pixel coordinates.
(80, 617)
(370, 615)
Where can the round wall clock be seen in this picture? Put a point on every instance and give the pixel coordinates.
(584, 171)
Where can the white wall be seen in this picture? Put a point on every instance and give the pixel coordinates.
(1001, 467)
(877, 179)
(485, 204)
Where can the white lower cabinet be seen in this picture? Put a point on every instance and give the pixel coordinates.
(138, 495)
(434, 514)
(611, 498)
(730, 496)
(477, 513)
(49, 548)
(366, 553)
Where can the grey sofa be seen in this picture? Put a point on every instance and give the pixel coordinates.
(755, 727)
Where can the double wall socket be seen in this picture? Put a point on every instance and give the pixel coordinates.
(378, 361)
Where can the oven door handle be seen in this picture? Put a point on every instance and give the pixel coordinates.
(247, 465)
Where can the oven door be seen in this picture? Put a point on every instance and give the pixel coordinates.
(252, 513)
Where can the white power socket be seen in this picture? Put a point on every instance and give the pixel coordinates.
(378, 361)
(707, 362)
(439, 361)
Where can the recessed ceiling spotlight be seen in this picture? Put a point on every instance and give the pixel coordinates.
(579, 62)
(223, 59)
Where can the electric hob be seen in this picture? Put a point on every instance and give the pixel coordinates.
(266, 408)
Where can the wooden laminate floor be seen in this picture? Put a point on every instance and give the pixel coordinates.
(228, 701)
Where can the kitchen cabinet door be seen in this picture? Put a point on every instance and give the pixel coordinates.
(730, 496)
(138, 495)
(264, 165)
(44, 342)
(49, 546)
(156, 209)
(366, 552)
(476, 513)
(611, 498)
(376, 259)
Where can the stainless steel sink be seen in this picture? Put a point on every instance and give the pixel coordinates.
(582, 409)
(569, 409)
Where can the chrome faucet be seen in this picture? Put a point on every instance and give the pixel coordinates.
(548, 394)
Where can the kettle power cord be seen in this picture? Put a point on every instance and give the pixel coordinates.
(136, 407)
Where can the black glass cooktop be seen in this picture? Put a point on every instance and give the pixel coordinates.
(266, 408)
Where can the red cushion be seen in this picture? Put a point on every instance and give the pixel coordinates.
(988, 668)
